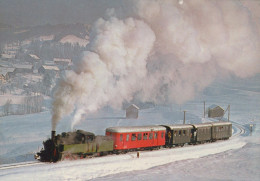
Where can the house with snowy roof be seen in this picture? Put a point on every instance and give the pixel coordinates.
(132, 112)
(6, 73)
(215, 111)
(48, 69)
(23, 68)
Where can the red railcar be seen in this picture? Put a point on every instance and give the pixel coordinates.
(135, 137)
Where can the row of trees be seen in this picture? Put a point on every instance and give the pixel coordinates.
(49, 49)
(31, 104)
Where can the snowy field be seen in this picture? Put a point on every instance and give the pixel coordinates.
(235, 159)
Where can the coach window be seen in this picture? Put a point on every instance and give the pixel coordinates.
(175, 133)
(127, 137)
(121, 137)
(162, 134)
(145, 136)
(150, 136)
(155, 135)
(180, 133)
(139, 136)
(184, 132)
(133, 137)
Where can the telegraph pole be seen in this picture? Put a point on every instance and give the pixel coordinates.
(228, 112)
(204, 109)
(184, 117)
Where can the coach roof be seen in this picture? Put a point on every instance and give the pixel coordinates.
(179, 126)
(222, 123)
(129, 129)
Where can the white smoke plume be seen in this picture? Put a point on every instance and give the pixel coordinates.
(169, 52)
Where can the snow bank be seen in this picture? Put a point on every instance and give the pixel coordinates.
(102, 166)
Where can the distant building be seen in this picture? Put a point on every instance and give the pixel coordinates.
(62, 63)
(32, 58)
(6, 73)
(48, 68)
(132, 112)
(215, 111)
(23, 68)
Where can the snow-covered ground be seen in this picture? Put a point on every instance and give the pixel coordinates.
(234, 159)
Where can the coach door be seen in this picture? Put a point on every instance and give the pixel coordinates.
(151, 140)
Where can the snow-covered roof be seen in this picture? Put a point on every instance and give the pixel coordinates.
(62, 60)
(130, 129)
(221, 123)
(50, 67)
(4, 70)
(134, 106)
(74, 40)
(214, 106)
(23, 66)
(202, 125)
(4, 55)
(34, 56)
(179, 126)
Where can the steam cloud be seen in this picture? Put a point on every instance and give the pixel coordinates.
(170, 51)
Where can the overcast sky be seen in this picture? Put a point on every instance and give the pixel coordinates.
(40, 12)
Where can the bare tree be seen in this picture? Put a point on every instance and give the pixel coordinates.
(7, 107)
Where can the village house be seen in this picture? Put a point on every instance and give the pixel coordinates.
(31, 58)
(215, 111)
(6, 73)
(23, 68)
(48, 69)
(132, 112)
(62, 63)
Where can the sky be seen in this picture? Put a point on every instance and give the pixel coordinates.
(21, 13)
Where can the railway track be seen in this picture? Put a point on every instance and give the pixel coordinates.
(18, 165)
(238, 130)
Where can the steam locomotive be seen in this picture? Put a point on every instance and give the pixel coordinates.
(81, 144)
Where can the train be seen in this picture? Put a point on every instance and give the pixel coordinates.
(117, 140)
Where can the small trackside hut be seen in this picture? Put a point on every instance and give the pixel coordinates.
(137, 137)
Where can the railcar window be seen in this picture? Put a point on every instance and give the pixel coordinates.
(155, 135)
(175, 133)
(121, 137)
(180, 133)
(133, 137)
(184, 132)
(145, 136)
(139, 136)
(162, 134)
(150, 136)
(127, 137)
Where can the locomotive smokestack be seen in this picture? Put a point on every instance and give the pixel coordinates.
(53, 133)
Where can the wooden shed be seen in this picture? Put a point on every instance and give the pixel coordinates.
(132, 112)
(215, 111)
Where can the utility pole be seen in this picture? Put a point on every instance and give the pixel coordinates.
(204, 109)
(184, 119)
(228, 112)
